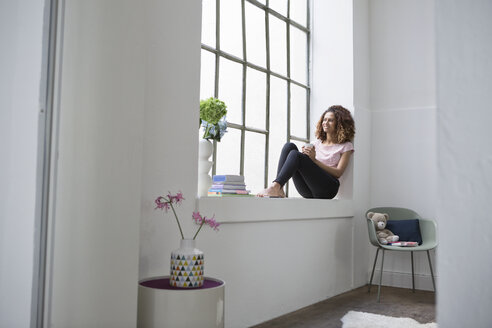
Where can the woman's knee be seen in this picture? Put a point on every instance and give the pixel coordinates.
(290, 146)
(295, 154)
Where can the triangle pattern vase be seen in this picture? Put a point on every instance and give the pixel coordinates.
(187, 265)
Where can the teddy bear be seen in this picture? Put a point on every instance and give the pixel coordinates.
(384, 235)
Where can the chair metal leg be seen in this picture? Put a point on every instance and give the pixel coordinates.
(380, 277)
(413, 273)
(373, 268)
(432, 272)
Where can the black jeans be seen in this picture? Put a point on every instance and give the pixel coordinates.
(311, 181)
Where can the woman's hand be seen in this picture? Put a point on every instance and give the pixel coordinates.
(310, 151)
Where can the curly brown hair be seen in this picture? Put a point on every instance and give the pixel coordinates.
(344, 125)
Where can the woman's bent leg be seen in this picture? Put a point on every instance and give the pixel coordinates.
(301, 186)
(310, 180)
(290, 165)
(293, 166)
(320, 183)
(288, 147)
(276, 188)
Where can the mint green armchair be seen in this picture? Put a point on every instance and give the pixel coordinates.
(427, 230)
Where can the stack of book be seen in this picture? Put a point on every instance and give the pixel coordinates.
(404, 243)
(228, 185)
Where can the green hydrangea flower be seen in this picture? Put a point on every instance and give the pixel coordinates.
(212, 118)
(212, 110)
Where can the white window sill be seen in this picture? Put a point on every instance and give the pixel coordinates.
(255, 209)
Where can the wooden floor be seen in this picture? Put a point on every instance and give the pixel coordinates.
(395, 302)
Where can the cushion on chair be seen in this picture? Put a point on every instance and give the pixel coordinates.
(407, 230)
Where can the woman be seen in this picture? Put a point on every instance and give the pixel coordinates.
(316, 169)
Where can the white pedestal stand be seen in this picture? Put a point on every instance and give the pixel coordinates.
(160, 305)
(205, 149)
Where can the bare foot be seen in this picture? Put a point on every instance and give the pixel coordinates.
(275, 190)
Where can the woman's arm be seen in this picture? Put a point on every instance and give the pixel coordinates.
(335, 171)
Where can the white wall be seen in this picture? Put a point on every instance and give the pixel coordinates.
(21, 26)
(94, 226)
(362, 155)
(332, 57)
(464, 49)
(403, 104)
(273, 268)
(170, 148)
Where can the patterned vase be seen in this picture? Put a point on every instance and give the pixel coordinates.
(187, 265)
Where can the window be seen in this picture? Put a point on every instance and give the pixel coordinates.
(255, 58)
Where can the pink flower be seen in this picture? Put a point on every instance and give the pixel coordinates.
(166, 203)
(212, 223)
(197, 217)
(176, 199)
(162, 203)
(203, 220)
(179, 197)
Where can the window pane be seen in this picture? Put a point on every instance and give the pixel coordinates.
(298, 55)
(231, 36)
(230, 88)
(208, 22)
(278, 124)
(279, 6)
(298, 111)
(207, 75)
(229, 76)
(254, 163)
(255, 99)
(278, 45)
(298, 11)
(229, 152)
(255, 35)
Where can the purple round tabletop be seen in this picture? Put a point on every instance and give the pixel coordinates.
(163, 283)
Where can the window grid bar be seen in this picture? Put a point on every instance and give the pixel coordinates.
(279, 16)
(299, 139)
(246, 128)
(251, 65)
(308, 73)
(308, 114)
(288, 72)
(267, 118)
(217, 72)
(288, 85)
(217, 47)
(243, 96)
